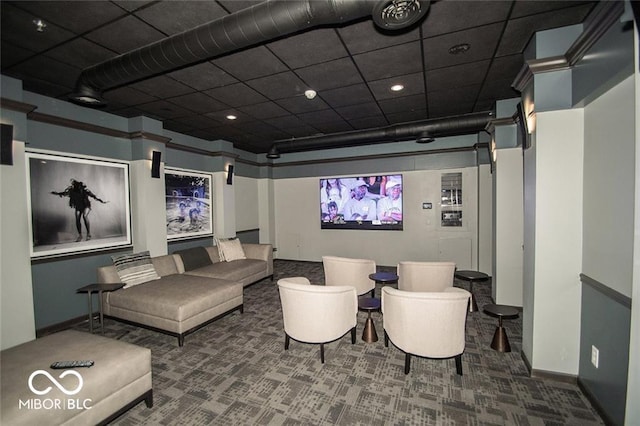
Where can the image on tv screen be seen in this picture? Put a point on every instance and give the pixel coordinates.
(366, 202)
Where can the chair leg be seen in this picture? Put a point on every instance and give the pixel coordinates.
(353, 336)
(407, 363)
(286, 341)
(459, 364)
(322, 353)
(373, 292)
(386, 339)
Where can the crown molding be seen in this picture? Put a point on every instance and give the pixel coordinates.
(18, 106)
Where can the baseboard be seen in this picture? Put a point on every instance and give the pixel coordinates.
(41, 332)
(595, 403)
(551, 375)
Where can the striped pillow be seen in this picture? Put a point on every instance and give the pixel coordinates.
(134, 269)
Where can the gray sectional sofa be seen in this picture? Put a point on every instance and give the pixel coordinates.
(194, 289)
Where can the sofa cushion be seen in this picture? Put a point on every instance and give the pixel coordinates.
(236, 270)
(175, 297)
(232, 250)
(194, 258)
(135, 268)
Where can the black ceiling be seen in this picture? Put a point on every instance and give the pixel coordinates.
(351, 67)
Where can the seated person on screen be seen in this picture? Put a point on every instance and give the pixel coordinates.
(360, 207)
(390, 207)
(333, 215)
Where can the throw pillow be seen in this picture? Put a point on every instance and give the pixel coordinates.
(194, 258)
(232, 250)
(134, 269)
(217, 242)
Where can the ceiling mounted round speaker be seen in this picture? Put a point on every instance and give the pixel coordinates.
(397, 14)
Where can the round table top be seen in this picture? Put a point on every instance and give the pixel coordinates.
(384, 277)
(369, 303)
(471, 275)
(503, 311)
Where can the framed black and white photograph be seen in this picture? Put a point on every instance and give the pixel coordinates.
(189, 206)
(77, 204)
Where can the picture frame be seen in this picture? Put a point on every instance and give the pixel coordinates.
(76, 204)
(188, 203)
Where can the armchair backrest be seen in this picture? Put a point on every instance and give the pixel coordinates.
(430, 324)
(425, 276)
(317, 313)
(339, 271)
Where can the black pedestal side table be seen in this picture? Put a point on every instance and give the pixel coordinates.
(500, 340)
(98, 288)
(471, 277)
(369, 304)
(384, 278)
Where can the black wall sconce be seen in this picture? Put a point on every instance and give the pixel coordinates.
(155, 164)
(230, 174)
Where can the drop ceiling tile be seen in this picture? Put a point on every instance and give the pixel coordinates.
(128, 95)
(454, 15)
(131, 5)
(356, 94)
(301, 132)
(264, 110)
(316, 117)
(308, 48)
(49, 70)
(483, 42)
(176, 127)
(408, 103)
(46, 88)
(80, 53)
(505, 67)
(359, 111)
(365, 36)
(11, 55)
(138, 34)
(172, 17)
(334, 127)
(407, 116)
(300, 104)
(76, 16)
(278, 86)
(198, 102)
(221, 116)
(236, 95)
(251, 63)
(525, 8)
(164, 109)
(457, 75)
(236, 5)
(161, 87)
(413, 84)
(519, 31)
(499, 89)
(197, 121)
(389, 62)
(203, 76)
(449, 110)
(457, 96)
(18, 29)
(368, 122)
(285, 122)
(329, 75)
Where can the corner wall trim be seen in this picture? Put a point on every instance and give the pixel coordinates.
(607, 291)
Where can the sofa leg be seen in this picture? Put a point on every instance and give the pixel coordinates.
(386, 339)
(459, 364)
(242, 308)
(353, 336)
(148, 399)
(181, 340)
(407, 363)
(322, 353)
(286, 342)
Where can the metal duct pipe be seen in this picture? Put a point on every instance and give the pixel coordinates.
(260, 23)
(437, 127)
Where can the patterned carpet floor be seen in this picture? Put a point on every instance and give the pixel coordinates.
(235, 371)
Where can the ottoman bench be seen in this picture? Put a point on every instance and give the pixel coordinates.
(33, 393)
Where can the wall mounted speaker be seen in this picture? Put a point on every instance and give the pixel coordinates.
(6, 144)
(230, 175)
(155, 164)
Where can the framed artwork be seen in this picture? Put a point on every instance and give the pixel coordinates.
(77, 204)
(188, 201)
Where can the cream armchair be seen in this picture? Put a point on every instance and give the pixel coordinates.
(425, 276)
(346, 271)
(430, 325)
(316, 313)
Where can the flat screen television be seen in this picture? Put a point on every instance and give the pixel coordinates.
(364, 202)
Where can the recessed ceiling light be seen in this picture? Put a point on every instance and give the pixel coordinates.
(310, 94)
(459, 48)
(40, 25)
(396, 87)
(231, 117)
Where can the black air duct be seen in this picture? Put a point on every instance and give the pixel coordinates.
(258, 24)
(437, 127)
